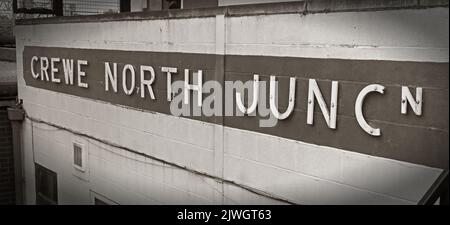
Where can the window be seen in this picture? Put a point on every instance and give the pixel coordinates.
(46, 186)
(79, 156)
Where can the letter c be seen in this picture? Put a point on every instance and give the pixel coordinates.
(358, 108)
(33, 60)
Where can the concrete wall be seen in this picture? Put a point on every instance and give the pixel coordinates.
(285, 170)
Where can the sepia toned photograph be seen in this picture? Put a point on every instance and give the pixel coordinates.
(221, 103)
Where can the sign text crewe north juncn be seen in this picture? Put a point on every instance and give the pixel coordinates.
(139, 80)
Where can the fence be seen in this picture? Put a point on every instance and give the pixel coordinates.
(69, 7)
(89, 7)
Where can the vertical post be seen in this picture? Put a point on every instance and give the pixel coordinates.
(438, 190)
(219, 119)
(16, 116)
(58, 7)
(125, 6)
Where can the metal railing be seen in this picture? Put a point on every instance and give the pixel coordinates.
(89, 7)
(438, 191)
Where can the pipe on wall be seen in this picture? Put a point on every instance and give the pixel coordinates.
(16, 115)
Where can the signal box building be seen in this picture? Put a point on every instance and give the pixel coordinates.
(347, 103)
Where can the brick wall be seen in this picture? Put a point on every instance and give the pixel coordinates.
(7, 194)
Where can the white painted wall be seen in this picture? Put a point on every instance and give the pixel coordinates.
(406, 35)
(300, 172)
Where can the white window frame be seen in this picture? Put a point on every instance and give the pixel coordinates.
(83, 156)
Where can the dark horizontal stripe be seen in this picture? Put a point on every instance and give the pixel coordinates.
(421, 140)
(434, 75)
(8, 54)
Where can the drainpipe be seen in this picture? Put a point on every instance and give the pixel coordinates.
(16, 115)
